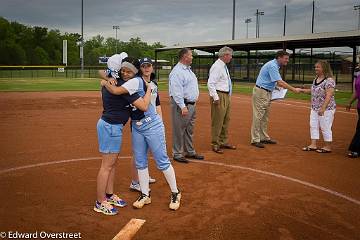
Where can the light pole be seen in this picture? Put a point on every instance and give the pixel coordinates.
(82, 39)
(284, 32)
(247, 21)
(116, 28)
(233, 25)
(258, 14)
(357, 8)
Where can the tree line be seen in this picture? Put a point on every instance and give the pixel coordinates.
(26, 45)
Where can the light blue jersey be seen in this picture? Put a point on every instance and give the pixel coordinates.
(148, 131)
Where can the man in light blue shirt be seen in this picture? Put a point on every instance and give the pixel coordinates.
(269, 77)
(184, 92)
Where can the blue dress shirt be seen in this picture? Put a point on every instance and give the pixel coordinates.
(183, 85)
(269, 75)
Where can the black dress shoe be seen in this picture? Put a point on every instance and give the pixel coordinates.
(228, 146)
(217, 149)
(181, 159)
(268, 141)
(258, 144)
(195, 156)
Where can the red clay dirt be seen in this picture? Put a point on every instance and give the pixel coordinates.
(219, 202)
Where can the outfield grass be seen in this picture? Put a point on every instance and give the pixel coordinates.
(92, 84)
(49, 84)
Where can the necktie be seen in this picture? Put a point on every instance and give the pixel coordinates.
(229, 80)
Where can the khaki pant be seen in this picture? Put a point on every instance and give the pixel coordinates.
(261, 107)
(220, 118)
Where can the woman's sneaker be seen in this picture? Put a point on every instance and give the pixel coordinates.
(142, 200)
(175, 200)
(116, 201)
(152, 180)
(105, 208)
(135, 186)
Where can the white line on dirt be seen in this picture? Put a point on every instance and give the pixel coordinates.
(340, 195)
(320, 188)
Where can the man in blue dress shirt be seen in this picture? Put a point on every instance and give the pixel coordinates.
(269, 77)
(184, 92)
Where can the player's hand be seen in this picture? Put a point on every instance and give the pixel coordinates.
(103, 82)
(216, 102)
(113, 81)
(297, 90)
(184, 111)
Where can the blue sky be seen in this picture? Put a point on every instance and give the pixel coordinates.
(181, 21)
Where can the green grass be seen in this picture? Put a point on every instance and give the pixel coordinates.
(48, 84)
(92, 84)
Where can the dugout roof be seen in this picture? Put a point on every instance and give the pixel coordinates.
(315, 40)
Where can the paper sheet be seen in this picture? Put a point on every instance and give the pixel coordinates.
(278, 93)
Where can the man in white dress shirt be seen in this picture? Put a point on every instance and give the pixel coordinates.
(220, 89)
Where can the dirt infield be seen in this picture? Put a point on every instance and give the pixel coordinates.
(278, 192)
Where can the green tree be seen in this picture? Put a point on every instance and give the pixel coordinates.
(21, 44)
(11, 54)
(5, 29)
(40, 57)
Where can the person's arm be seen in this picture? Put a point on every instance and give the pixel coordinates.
(159, 111)
(143, 103)
(283, 84)
(103, 75)
(213, 76)
(276, 77)
(306, 90)
(329, 88)
(329, 94)
(114, 89)
(158, 106)
(177, 91)
(130, 87)
(352, 99)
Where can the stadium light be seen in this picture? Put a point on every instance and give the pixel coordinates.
(247, 21)
(357, 8)
(116, 29)
(258, 14)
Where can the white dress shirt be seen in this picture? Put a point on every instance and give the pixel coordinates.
(219, 79)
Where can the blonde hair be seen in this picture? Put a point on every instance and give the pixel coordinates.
(325, 65)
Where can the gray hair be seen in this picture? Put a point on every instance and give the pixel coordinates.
(225, 50)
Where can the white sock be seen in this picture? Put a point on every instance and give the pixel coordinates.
(144, 180)
(171, 179)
